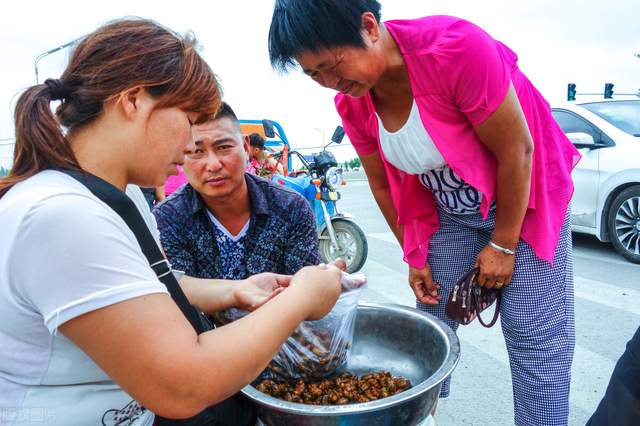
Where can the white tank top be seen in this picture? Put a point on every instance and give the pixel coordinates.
(412, 150)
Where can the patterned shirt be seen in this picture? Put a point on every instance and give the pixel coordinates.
(281, 236)
(450, 192)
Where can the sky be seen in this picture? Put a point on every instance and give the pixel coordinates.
(586, 42)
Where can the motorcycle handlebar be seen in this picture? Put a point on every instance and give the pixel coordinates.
(300, 156)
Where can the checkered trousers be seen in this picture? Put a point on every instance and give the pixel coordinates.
(536, 313)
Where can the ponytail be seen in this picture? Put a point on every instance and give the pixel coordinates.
(40, 143)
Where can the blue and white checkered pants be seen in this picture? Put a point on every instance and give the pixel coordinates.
(536, 313)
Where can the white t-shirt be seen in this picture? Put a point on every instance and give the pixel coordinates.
(63, 253)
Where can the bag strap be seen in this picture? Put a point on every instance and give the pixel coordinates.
(127, 210)
(495, 313)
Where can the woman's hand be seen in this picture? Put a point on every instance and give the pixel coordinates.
(319, 288)
(496, 268)
(255, 291)
(426, 290)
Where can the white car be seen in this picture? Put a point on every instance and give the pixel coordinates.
(606, 202)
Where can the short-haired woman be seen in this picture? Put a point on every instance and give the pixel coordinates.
(466, 164)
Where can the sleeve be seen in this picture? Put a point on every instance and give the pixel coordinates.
(354, 120)
(174, 239)
(302, 239)
(476, 71)
(75, 256)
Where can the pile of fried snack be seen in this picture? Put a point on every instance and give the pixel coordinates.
(343, 389)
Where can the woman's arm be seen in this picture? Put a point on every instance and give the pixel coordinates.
(148, 347)
(374, 169)
(506, 135)
(420, 280)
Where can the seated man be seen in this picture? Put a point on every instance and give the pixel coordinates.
(259, 163)
(229, 224)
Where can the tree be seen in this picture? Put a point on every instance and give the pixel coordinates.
(3, 171)
(345, 166)
(354, 163)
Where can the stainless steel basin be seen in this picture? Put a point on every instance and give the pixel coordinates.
(395, 338)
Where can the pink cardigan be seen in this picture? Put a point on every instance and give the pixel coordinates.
(459, 76)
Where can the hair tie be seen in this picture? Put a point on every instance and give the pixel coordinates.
(56, 88)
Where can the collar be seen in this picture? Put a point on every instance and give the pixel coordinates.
(256, 187)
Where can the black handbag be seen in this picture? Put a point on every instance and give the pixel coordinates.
(236, 410)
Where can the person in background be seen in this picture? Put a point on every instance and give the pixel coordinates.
(467, 165)
(260, 163)
(174, 182)
(620, 405)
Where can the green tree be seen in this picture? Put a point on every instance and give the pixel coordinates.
(354, 163)
(3, 171)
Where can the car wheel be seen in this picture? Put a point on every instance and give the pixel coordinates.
(624, 223)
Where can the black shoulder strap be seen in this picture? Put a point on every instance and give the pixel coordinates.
(127, 210)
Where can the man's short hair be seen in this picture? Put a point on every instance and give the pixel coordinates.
(256, 140)
(227, 112)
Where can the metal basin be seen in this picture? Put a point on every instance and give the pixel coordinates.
(395, 338)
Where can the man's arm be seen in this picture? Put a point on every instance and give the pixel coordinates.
(216, 295)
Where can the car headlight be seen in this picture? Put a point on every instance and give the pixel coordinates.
(333, 178)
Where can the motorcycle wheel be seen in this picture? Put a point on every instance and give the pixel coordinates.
(352, 241)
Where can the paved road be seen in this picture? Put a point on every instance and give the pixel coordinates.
(607, 289)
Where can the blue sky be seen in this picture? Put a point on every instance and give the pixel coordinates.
(558, 41)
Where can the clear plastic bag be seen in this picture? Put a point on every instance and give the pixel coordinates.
(316, 349)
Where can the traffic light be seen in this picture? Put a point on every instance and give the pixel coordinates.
(571, 92)
(608, 90)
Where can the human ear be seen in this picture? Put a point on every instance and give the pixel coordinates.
(246, 145)
(133, 102)
(370, 27)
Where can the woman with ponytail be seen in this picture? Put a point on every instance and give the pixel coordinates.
(89, 335)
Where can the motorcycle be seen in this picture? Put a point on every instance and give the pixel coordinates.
(318, 181)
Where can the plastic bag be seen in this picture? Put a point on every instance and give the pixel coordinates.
(316, 349)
